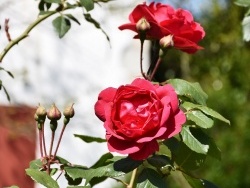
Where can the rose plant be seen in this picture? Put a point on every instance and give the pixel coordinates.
(159, 128)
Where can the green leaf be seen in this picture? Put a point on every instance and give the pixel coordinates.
(43, 6)
(194, 182)
(90, 139)
(149, 178)
(6, 92)
(8, 72)
(71, 181)
(89, 174)
(243, 3)
(183, 155)
(62, 25)
(62, 160)
(87, 4)
(53, 1)
(194, 144)
(208, 184)
(160, 161)
(95, 23)
(42, 178)
(70, 16)
(13, 186)
(210, 112)
(213, 150)
(36, 164)
(200, 119)
(246, 27)
(192, 91)
(126, 164)
(103, 160)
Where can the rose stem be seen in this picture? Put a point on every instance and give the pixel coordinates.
(60, 138)
(141, 53)
(155, 69)
(132, 178)
(43, 140)
(51, 143)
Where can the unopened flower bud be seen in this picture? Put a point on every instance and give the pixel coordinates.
(167, 41)
(142, 25)
(54, 113)
(40, 114)
(69, 111)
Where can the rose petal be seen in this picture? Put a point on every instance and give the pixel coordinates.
(122, 146)
(105, 97)
(174, 125)
(143, 84)
(148, 149)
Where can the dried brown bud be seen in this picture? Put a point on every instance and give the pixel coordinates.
(142, 25)
(53, 113)
(167, 41)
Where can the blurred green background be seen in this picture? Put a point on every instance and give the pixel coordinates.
(222, 69)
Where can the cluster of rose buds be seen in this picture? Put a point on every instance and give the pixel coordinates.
(53, 114)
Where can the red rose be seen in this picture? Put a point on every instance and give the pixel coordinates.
(136, 115)
(165, 21)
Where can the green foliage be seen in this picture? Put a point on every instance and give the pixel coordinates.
(42, 178)
(90, 139)
(192, 91)
(87, 4)
(149, 178)
(62, 25)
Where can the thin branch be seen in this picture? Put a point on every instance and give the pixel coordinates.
(141, 59)
(59, 141)
(24, 34)
(155, 69)
(6, 27)
(132, 180)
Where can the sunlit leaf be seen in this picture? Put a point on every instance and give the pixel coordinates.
(244, 3)
(61, 25)
(88, 174)
(192, 91)
(42, 178)
(90, 139)
(210, 112)
(149, 178)
(200, 119)
(194, 144)
(246, 28)
(36, 164)
(104, 160)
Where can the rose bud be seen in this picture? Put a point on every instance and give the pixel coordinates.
(54, 113)
(167, 41)
(69, 111)
(40, 114)
(142, 25)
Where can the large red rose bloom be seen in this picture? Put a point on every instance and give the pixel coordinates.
(136, 115)
(164, 20)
